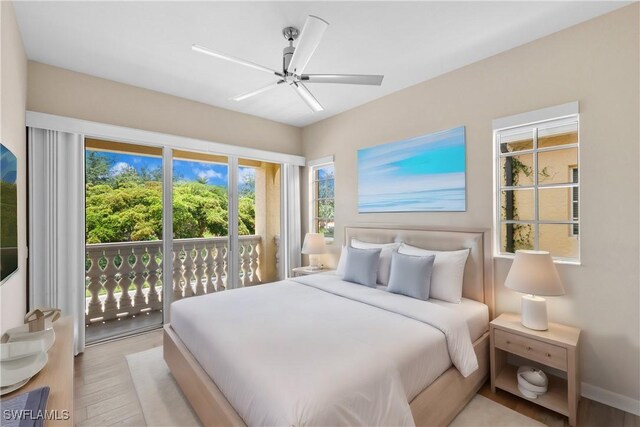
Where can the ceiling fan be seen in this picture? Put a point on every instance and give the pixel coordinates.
(294, 61)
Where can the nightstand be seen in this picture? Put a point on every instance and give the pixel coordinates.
(305, 271)
(556, 347)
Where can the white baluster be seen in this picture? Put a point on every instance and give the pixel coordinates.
(94, 306)
(254, 262)
(188, 270)
(153, 273)
(246, 264)
(210, 262)
(110, 284)
(125, 305)
(221, 265)
(198, 270)
(177, 272)
(138, 268)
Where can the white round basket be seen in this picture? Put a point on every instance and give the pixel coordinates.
(532, 382)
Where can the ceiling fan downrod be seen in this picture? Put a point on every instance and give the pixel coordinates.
(289, 33)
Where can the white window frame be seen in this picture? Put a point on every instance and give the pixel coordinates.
(575, 200)
(313, 166)
(558, 115)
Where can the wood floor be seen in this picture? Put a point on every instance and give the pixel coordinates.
(104, 393)
(590, 413)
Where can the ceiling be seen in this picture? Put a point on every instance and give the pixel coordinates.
(148, 44)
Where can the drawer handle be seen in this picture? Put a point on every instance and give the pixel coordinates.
(548, 354)
(508, 342)
(529, 348)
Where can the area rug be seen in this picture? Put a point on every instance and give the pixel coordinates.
(161, 399)
(163, 404)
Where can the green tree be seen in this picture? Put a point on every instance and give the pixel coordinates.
(154, 174)
(125, 213)
(97, 166)
(247, 187)
(246, 214)
(128, 206)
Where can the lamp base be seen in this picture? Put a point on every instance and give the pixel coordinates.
(313, 263)
(534, 313)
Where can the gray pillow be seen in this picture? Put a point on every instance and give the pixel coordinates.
(362, 266)
(411, 275)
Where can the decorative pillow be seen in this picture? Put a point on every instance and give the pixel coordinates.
(411, 275)
(342, 262)
(362, 266)
(448, 271)
(384, 266)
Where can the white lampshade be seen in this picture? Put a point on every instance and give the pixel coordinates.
(314, 244)
(533, 272)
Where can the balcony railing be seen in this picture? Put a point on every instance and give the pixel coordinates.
(125, 279)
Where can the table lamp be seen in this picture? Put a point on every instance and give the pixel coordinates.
(534, 273)
(314, 245)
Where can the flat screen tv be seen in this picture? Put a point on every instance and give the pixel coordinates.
(8, 213)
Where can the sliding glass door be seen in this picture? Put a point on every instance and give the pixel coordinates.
(165, 224)
(123, 243)
(200, 212)
(226, 223)
(258, 212)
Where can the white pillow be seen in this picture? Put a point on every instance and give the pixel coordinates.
(384, 265)
(342, 262)
(448, 271)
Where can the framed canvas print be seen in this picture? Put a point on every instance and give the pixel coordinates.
(422, 174)
(8, 213)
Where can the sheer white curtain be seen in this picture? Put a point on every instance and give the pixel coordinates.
(56, 225)
(291, 229)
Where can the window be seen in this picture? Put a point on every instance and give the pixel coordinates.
(322, 196)
(537, 186)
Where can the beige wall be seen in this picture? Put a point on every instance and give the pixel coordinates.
(267, 215)
(595, 63)
(66, 93)
(13, 94)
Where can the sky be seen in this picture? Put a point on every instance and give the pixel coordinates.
(215, 173)
(8, 165)
(425, 173)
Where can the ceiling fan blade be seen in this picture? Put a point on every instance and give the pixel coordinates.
(206, 51)
(257, 91)
(353, 79)
(307, 97)
(308, 41)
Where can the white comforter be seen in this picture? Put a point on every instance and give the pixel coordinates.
(320, 351)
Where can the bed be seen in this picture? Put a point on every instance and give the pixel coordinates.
(239, 355)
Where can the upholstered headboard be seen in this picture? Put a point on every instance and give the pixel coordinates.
(478, 272)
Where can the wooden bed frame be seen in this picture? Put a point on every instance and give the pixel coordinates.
(438, 404)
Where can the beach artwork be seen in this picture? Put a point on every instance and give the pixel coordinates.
(422, 174)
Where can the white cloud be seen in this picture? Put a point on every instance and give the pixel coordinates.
(119, 168)
(208, 174)
(244, 173)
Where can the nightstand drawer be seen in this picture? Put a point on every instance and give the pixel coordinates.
(539, 351)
